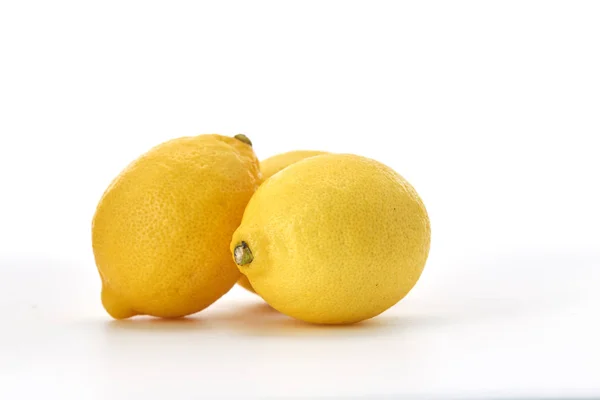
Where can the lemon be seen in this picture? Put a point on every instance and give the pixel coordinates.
(333, 239)
(270, 167)
(273, 165)
(162, 229)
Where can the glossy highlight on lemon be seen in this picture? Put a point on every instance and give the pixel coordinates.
(161, 230)
(270, 167)
(333, 239)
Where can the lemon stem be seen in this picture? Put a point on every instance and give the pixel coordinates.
(243, 138)
(242, 254)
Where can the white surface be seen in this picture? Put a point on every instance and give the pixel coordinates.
(489, 109)
(489, 325)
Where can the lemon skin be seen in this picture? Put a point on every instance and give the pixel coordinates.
(333, 239)
(270, 167)
(161, 231)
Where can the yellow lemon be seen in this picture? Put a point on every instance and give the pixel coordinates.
(273, 165)
(270, 167)
(162, 229)
(333, 239)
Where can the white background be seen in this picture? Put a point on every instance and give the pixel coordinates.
(490, 109)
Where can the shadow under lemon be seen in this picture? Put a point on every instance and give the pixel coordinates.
(258, 318)
(471, 290)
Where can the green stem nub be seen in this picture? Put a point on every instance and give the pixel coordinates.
(243, 138)
(242, 254)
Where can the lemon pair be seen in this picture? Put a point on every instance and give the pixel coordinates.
(325, 238)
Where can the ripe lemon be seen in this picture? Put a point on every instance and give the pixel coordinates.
(333, 239)
(162, 229)
(273, 165)
(270, 167)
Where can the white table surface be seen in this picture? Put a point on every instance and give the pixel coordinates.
(519, 324)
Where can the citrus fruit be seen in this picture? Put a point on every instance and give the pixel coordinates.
(162, 229)
(333, 239)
